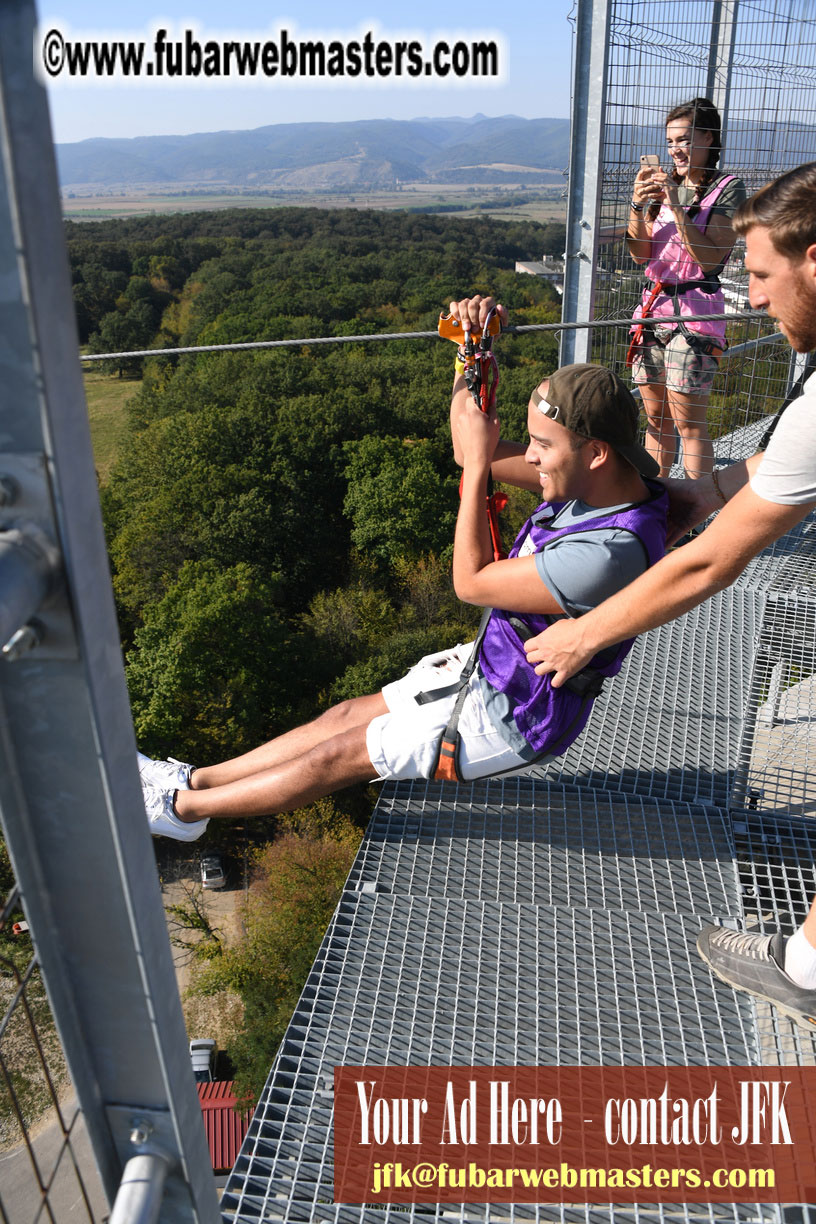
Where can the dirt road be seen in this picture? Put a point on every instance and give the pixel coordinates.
(181, 886)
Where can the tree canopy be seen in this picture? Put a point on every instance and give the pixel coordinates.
(262, 496)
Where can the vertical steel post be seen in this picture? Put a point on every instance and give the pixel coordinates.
(721, 55)
(589, 87)
(69, 790)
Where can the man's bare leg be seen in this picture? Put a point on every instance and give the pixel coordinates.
(328, 766)
(358, 712)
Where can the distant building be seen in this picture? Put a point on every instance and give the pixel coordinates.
(735, 293)
(548, 268)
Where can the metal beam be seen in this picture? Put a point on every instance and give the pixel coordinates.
(70, 799)
(721, 56)
(585, 173)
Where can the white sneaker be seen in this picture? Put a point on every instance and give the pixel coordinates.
(163, 820)
(166, 775)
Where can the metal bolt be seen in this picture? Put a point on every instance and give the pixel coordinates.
(9, 490)
(21, 642)
(141, 1132)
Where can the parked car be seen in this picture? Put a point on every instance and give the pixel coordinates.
(212, 871)
(202, 1056)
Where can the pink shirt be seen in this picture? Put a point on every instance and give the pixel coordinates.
(671, 264)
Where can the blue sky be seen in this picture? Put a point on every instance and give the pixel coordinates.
(535, 34)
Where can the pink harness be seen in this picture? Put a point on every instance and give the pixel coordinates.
(672, 265)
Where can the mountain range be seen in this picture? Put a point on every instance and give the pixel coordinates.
(384, 153)
(367, 153)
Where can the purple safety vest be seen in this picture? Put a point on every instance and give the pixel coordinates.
(550, 719)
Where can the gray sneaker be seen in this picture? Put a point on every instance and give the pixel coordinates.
(755, 963)
(166, 775)
(163, 820)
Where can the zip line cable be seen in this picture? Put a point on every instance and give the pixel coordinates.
(748, 316)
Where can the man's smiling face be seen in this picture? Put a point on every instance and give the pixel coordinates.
(561, 464)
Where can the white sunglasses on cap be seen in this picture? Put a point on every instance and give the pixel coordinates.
(547, 410)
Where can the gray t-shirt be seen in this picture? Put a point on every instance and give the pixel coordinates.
(787, 471)
(727, 202)
(580, 570)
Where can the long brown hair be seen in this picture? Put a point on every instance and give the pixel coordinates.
(704, 117)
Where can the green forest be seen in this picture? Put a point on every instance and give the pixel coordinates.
(280, 523)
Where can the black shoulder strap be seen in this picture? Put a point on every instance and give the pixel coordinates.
(467, 671)
(793, 394)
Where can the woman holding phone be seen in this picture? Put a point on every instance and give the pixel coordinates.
(680, 228)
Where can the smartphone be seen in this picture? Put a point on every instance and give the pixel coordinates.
(650, 161)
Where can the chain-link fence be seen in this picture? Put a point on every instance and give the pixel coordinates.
(47, 1166)
(756, 60)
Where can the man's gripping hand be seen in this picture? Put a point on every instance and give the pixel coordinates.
(473, 311)
(559, 651)
(478, 434)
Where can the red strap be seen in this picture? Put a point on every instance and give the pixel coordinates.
(495, 502)
(637, 335)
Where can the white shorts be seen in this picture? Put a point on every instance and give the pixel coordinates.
(403, 743)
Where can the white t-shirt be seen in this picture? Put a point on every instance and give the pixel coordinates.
(787, 471)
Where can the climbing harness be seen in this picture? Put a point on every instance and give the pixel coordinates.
(481, 373)
(586, 684)
(676, 289)
(693, 339)
(446, 762)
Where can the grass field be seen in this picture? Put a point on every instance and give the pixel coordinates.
(547, 203)
(107, 395)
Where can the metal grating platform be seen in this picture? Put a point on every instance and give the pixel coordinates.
(474, 1213)
(439, 957)
(405, 979)
(789, 564)
(542, 920)
(670, 725)
(529, 841)
(780, 777)
(775, 773)
(740, 443)
(776, 859)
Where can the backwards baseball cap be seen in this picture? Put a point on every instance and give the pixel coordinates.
(592, 402)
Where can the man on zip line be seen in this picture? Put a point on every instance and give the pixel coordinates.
(473, 711)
